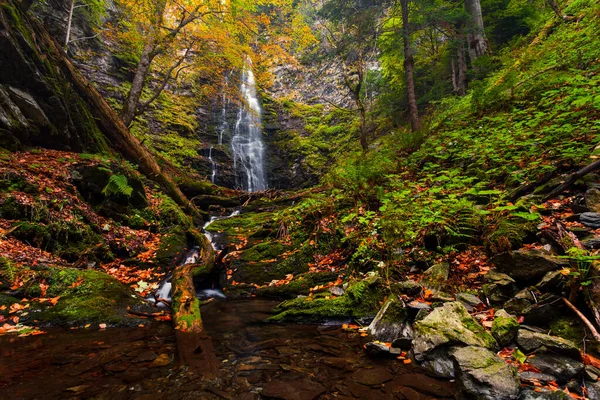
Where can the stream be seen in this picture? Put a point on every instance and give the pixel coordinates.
(258, 360)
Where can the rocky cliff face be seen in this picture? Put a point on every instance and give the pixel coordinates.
(38, 106)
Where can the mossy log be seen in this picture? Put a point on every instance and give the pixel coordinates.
(194, 346)
(108, 121)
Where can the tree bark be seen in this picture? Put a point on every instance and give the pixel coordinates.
(128, 111)
(555, 8)
(194, 346)
(476, 40)
(461, 70)
(409, 65)
(69, 22)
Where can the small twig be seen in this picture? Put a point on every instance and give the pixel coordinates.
(584, 319)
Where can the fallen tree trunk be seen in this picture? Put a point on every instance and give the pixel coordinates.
(194, 346)
(571, 179)
(108, 121)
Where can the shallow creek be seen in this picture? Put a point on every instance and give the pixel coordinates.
(258, 360)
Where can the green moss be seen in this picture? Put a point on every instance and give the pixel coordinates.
(504, 328)
(85, 297)
(170, 214)
(172, 244)
(67, 240)
(360, 300)
(569, 328)
(300, 285)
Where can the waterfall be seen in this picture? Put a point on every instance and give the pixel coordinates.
(246, 143)
(213, 165)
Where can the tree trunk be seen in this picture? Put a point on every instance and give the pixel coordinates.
(555, 8)
(461, 70)
(112, 126)
(409, 65)
(194, 346)
(476, 40)
(69, 22)
(129, 109)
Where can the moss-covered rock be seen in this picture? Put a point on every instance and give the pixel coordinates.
(64, 239)
(569, 328)
(361, 299)
(173, 243)
(504, 327)
(84, 297)
(485, 376)
(448, 325)
(300, 285)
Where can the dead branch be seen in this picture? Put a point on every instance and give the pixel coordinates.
(583, 319)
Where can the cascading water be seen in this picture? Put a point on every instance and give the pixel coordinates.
(246, 143)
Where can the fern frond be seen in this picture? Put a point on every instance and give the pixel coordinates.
(117, 185)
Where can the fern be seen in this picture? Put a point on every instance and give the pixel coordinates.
(117, 185)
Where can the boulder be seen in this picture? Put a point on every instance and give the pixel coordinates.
(436, 277)
(520, 302)
(530, 341)
(504, 328)
(391, 322)
(548, 308)
(551, 282)
(449, 325)
(439, 363)
(499, 287)
(28, 106)
(590, 219)
(527, 266)
(483, 375)
(559, 366)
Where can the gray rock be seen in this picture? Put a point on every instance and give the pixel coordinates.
(499, 287)
(562, 367)
(436, 276)
(531, 341)
(336, 291)
(591, 219)
(11, 116)
(28, 106)
(377, 349)
(483, 375)
(450, 324)
(591, 244)
(543, 394)
(592, 373)
(470, 301)
(548, 308)
(391, 321)
(592, 199)
(439, 363)
(519, 302)
(593, 389)
(527, 266)
(551, 282)
(408, 287)
(535, 376)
